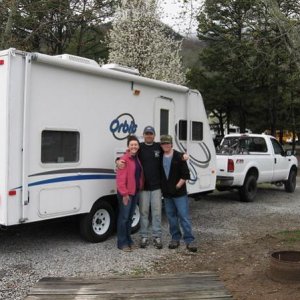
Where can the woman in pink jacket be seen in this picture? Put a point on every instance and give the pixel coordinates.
(129, 183)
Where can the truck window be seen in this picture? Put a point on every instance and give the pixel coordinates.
(277, 147)
(257, 144)
(60, 146)
(252, 144)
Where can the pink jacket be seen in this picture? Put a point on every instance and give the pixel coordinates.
(126, 177)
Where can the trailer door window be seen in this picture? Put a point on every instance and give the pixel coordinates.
(60, 146)
(164, 121)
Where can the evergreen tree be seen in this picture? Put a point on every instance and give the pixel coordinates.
(138, 39)
(55, 26)
(246, 70)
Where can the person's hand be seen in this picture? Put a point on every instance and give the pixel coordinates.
(120, 164)
(125, 200)
(185, 156)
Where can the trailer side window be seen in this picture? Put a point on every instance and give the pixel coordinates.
(197, 131)
(164, 121)
(60, 146)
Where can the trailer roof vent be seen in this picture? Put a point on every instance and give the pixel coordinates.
(78, 59)
(120, 68)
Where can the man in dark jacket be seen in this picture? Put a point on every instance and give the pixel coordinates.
(174, 173)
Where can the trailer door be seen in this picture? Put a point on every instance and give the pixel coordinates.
(164, 116)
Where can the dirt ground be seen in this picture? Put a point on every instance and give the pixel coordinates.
(242, 261)
(242, 266)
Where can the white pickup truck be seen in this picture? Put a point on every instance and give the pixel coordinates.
(244, 160)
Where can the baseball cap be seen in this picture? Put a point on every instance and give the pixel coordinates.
(149, 129)
(166, 139)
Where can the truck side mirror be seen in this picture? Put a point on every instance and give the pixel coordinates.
(290, 152)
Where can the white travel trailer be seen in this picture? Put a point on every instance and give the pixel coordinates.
(64, 120)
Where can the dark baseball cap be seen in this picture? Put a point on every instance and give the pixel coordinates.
(166, 139)
(149, 129)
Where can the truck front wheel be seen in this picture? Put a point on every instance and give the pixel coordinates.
(249, 189)
(98, 224)
(290, 184)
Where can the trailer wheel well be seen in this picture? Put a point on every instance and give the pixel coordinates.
(111, 199)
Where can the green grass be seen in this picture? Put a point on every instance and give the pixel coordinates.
(138, 271)
(289, 236)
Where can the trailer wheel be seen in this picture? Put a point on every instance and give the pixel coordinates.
(290, 184)
(98, 224)
(249, 189)
(135, 226)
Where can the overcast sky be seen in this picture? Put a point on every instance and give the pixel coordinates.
(172, 14)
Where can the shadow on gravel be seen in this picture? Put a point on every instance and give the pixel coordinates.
(233, 196)
(66, 229)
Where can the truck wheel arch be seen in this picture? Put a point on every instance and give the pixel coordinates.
(248, 190)
(252, 171)
(290, 183)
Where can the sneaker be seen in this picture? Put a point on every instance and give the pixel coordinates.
(134, 246)
(144, 242)
(192, 246)
(157, 243)
(126, 249)
(174, 244)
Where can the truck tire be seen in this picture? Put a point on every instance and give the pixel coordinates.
(99, 223)
(249, 189)
(290, 184)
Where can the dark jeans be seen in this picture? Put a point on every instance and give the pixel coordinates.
(126, 213)
(177, 211)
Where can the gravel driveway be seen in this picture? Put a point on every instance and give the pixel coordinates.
(55, 249)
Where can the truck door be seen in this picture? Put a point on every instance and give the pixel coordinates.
(281, 164)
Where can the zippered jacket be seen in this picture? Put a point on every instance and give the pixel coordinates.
(126, 184)
(179, 170)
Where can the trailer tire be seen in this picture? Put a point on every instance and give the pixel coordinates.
(99, 223)
(290, 184)
(249, 189)
(135, 226)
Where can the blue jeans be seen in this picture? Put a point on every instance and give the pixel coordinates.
(126, 213)
(150, 199)
(177, 211)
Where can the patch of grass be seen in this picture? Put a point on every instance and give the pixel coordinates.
(289, 236)
(138, 271)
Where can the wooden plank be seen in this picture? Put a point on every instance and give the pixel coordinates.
(133, 297)
(197, 285)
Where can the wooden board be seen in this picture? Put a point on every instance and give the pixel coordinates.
(199, 285)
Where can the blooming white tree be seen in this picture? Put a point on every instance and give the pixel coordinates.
(138, 39)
